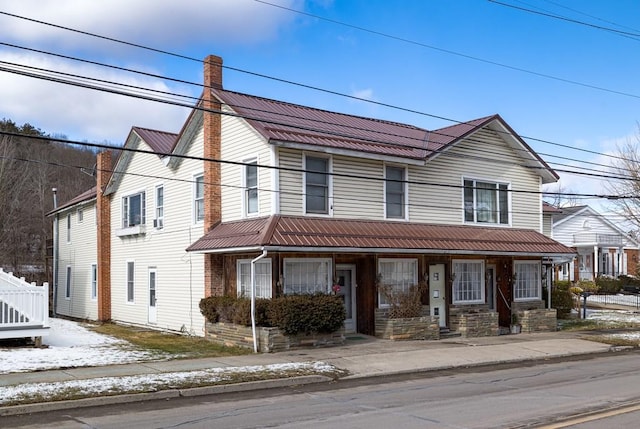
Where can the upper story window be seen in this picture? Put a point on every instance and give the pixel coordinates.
(317, 185)
(198, 199)
(468, 281)
(158, 222)
(398, 275)
(251, 187)
(69, 228)
(486, 202)
(133, 210)
(527, 282)
(262, 276)
(80, 214)
(395, 195)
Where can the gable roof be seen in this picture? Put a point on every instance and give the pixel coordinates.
(568, 213)
(86, 196)
(159, 141)
(291, 233)
(288, 124)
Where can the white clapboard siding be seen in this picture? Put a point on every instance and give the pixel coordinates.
(242, 143)
(79, 251)
(358, 198)
(291, 191)
(180, 275)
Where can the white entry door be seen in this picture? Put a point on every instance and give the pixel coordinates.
(437, 293)
(153, 316)
(346, 275)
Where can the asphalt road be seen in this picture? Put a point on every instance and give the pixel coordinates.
(517, 396)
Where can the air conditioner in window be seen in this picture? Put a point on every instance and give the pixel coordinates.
(158, 223)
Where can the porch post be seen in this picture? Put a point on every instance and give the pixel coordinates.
(596, 263)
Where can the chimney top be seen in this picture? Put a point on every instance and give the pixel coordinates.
(212, 72)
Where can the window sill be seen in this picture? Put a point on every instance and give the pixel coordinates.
(132, 230)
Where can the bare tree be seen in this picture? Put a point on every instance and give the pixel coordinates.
(559, 196)
(624, 183)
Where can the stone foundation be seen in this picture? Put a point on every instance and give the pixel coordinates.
(412, 328)
(540, 320)
(472, 323)
(270, 340)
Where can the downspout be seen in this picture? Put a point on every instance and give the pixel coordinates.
(55, 252)
(253, 299)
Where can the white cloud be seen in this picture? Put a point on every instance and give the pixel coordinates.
(165, 23)
(83, 113)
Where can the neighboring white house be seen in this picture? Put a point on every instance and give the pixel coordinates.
(317, 201)
(602, 247)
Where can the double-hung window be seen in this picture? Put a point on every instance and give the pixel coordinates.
(198, 199)
(80, 214)
(395, 196)
(527, 283)
(67, 284)
(130, 280)
(133, 210)
(468, 281)
(94, 281)
(307, 275)
(69, 228)
(159, 220)
(262, 277)
(396, 275)
(317, 185)
(251, 187)
(486, 202)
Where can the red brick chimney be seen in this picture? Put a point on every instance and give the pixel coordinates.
(213, 264)
(103, 213)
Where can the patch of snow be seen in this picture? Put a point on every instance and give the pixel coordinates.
(141, 383)
(70, 344)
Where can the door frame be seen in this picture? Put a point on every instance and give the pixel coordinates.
(492, 287)
(352, 325)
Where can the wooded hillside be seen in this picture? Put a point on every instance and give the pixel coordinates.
(29, 169)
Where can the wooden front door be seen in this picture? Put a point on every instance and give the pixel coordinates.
(504, 296)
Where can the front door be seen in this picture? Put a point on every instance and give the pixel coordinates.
(437, 293)
(152, 296)
(346, 275)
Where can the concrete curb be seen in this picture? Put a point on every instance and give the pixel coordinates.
(13, 410)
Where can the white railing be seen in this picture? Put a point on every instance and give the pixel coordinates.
(22, 305)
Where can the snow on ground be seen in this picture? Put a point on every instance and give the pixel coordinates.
(70, 344)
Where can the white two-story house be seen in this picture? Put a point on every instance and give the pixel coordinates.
(315, 199)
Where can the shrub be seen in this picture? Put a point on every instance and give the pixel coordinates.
(562, 285)
(293, 314)
(562, 301)
(403, 304)
(307, 314)
(608, 285)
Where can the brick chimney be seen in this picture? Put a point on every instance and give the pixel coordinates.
(103, 213)
(213, 263)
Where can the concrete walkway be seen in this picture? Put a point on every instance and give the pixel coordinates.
(361, 356)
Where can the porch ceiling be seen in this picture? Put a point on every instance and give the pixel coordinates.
(296, 233)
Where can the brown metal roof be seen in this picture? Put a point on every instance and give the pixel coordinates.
(292, 232)
(280, 121)
(85, 196)
(160, 141)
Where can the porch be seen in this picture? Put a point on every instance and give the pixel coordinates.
(24, 308)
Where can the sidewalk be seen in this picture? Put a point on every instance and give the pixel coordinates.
(361, 356)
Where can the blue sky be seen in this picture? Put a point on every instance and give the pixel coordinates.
(458, 60)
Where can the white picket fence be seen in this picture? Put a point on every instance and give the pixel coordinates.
(24, 307)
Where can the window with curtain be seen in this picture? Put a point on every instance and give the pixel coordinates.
(262, 277)
(399, 274)
(527, 283)
(486, 202)
(133, 210)
(468, 282)
(307, 275)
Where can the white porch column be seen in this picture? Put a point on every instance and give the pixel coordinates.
(595, 263)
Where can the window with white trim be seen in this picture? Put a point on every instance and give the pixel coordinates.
(251, 187)
(468, 281)
(395, 195)
(317, 185)
(94, 281)
(262, 278)
(69, 228)
(130, 280)
(307, 275)
(486, 202)
(133, 210)
(80, 214)
(397, 274)
(198, 199)
(159, 220)
(67, 284)
(527, 280)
